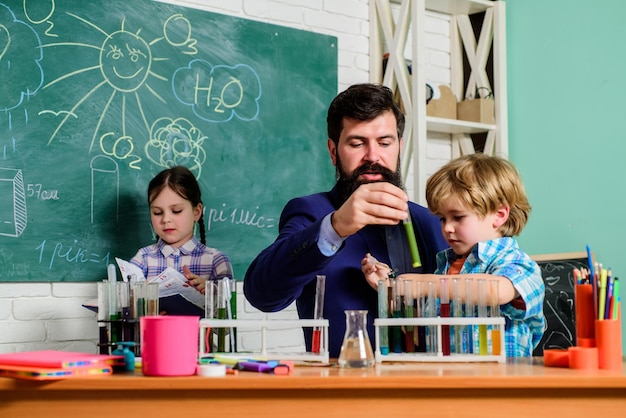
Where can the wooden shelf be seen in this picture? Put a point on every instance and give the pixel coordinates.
(454, 126)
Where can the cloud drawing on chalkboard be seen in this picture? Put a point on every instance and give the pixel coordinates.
(218, 93)
(20, 57)
(176, 142)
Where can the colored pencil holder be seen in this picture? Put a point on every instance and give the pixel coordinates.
(585, 315)
(169, 345)
(609, 343)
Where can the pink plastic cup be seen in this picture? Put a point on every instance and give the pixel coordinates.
(169, 345)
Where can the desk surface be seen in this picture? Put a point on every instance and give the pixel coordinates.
(440, 389)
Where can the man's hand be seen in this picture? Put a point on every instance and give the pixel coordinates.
(377, 203)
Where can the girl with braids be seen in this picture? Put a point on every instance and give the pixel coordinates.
(175, 204)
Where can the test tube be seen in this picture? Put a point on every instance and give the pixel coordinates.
(444, 311)
(457, 312)
(409, 345)
(123, 294)
(430, 311)
(210, 291)
(152, 298)
(383, 313)
(494, 312)
(230, 310)
(410, 235)
(469, 313)
(420, 306)
(103, 314)
(483, 302)
(114, 328)
(318, 313)
(397, 313)
(222, 296)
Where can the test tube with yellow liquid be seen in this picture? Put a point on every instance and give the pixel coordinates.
(483, 303)
(494, 312)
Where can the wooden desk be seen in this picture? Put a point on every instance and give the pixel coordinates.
(419, 389)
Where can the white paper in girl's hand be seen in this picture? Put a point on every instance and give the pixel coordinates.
(172, 282)
(129, 270)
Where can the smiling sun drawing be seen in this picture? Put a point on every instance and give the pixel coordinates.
(125, 63)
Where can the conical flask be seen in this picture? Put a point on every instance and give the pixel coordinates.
(356, 350)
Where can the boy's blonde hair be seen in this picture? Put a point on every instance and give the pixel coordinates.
(482, 183)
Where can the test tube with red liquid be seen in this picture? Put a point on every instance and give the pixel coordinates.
(444, 311)
(318, 313)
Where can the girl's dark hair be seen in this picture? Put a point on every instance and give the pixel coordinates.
(182, 181)
(362, 102)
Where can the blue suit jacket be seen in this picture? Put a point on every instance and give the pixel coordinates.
(287, 269)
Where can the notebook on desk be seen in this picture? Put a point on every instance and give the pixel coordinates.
(54, 373)
(58, 359)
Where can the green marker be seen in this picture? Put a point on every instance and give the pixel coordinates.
(410, 235)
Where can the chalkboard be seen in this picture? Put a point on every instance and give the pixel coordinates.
(558, 307)
(99, 96)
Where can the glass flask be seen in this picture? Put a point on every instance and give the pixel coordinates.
(356, 350)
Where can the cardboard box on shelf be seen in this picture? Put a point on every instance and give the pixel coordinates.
(479, 110)
(444, 106)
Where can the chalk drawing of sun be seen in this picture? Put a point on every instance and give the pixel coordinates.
(126, 64)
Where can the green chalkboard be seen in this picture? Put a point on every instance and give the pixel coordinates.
(99, 96)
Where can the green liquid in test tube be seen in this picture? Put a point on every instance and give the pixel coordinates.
(222, 295)
(410, 235)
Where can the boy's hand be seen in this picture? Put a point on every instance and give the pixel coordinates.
(374, 270)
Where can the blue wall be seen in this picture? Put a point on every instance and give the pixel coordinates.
(567, 130)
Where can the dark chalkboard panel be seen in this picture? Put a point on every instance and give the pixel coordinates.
(99, 96)
(558, 307)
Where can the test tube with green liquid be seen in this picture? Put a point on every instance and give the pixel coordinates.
(223, 295)
(410, 235)
(383, 313)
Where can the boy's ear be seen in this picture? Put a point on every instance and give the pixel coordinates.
(502, 215)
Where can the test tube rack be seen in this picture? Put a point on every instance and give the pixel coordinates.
(437, 355)
(266, 325)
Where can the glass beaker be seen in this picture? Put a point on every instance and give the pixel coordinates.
(356, 349)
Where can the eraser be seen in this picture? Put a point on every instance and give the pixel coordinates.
(211, 370)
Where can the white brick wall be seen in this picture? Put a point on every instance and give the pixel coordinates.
(37, 316)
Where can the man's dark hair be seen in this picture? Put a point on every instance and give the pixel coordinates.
(362, 102)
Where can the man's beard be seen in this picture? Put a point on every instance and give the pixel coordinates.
(348, 183)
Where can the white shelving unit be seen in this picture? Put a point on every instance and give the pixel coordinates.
(394, 35)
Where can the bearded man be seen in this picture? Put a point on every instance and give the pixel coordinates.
(330, 233)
